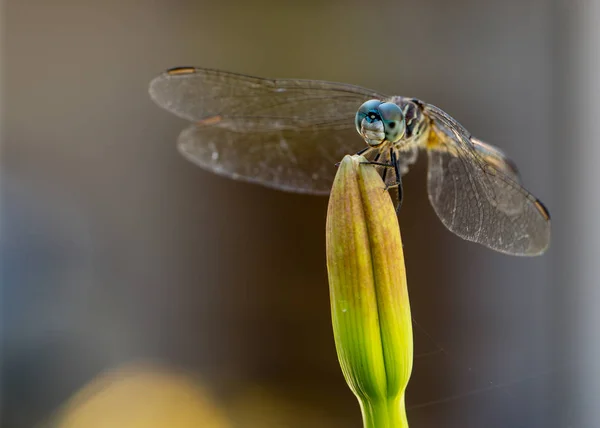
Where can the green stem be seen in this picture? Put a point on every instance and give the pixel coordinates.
(390, 413)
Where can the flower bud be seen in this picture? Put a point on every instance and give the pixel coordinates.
(370, 308)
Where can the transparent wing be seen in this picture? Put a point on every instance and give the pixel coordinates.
(284, 133)
(205, 95)
(296, 161)
(495, 157)
(475, 191)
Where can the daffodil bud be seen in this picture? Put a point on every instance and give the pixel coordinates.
(370, 308)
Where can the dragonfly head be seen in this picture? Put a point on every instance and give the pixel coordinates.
(378, 122)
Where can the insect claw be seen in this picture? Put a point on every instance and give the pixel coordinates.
(399, 206)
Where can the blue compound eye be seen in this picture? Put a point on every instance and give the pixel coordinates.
(367, 110)
(393, 121)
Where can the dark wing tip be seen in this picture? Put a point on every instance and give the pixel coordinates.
(211, 120)
(176, 71)
(542, 209)
(157, 84)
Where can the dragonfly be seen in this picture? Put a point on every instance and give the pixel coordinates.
(289, 134)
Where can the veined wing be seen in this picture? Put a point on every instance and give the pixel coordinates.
(282, 133)
(290, 160)
(496, 157)
(475, 191)
(206, 95)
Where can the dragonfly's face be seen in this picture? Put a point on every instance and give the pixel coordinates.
(379, 122)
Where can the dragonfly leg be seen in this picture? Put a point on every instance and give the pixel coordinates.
(387, 165)
(375, 160)
(398, 183)
(360, 152)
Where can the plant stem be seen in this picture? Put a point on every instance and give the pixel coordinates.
(386, 413)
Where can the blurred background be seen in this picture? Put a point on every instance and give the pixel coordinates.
(116, 251)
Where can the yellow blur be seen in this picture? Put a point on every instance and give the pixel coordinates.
(141, 397)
